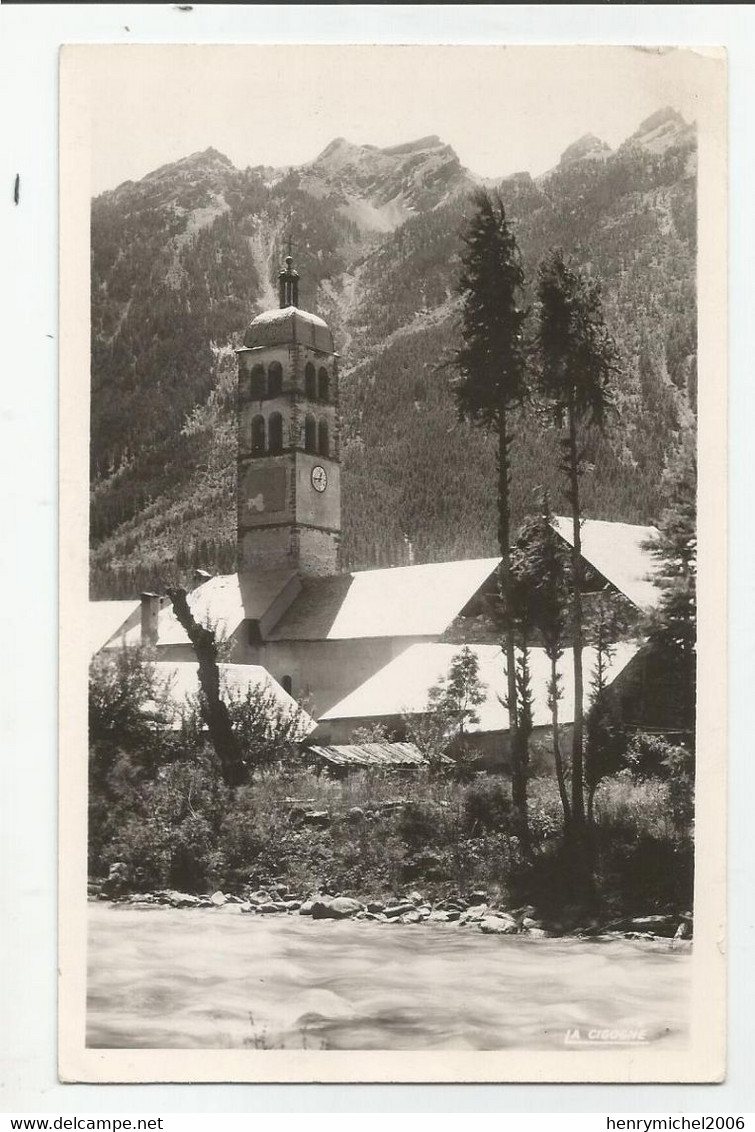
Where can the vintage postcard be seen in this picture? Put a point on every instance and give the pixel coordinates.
(393, 563)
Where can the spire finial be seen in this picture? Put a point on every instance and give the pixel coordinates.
(288, 281)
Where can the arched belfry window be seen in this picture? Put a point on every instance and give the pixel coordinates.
(275, 434)
(287, 684)
(323, 383)
(258, 383)
(310, 382)
(258, 436)
(323, 446)
(274, 379)
(310, 433)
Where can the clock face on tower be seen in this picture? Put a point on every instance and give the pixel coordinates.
(319, 478)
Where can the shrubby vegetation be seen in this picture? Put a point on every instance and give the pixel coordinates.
(158, 803)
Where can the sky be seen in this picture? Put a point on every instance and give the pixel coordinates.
(503, 109)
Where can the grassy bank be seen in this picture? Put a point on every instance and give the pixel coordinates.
(377, 834)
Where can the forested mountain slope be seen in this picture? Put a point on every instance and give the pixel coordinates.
(184, 258)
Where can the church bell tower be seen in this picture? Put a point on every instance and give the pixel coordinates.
(289, 489)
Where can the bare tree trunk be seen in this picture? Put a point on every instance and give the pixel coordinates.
(563, 794)
(577, 770)
(214, 710)
(518, 773)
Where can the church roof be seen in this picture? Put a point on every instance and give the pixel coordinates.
(288, 325)
(106, 618)
(225, 601)
(616, 550)
(404, 601)
(235, 681)
(402, 686)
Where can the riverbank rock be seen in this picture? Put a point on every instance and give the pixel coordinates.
(439, 917)
(658, 925)
(375, 906)
(499, 925)
(412, 917)
(477, 898)
(218, 899)
(338, 908)
(474, 914)
(182, 899)
(395, 910)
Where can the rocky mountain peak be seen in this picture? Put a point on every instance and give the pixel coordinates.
(588, 147)
(380, 188)
(662, 130)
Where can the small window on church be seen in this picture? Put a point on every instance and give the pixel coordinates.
(323, 446)
(310, 433)
(258, 436)
(275, 434)
(310, 382)
(274, 379)
(323, 382)
(287, 684)
(258, 383)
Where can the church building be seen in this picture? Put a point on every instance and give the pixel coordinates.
(288, 610)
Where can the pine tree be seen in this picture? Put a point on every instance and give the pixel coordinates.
(492, 366)
(539, 570)
(577, 360)
(674, 623)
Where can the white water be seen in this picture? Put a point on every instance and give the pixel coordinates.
(171, 979)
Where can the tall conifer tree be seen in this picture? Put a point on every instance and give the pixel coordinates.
(577, 359)
(492, 366)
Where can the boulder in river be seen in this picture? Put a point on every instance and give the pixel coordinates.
(182, 899)
(337, 908)
(218, 899)
(499, 925)
(474, 914)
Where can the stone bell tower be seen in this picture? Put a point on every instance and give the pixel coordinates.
(289, 490)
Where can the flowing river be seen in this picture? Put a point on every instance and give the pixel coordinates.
(170, 979)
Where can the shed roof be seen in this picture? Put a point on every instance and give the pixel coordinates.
(370, 754)
(617, 551)
(402, 686)
(235, 681)
(404, 601)
(106, 619)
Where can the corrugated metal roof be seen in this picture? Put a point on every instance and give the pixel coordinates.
(370, 754)
(235, 681)
(402, 686)
(616, 551)
(224, 602)
(107, 619)
(405, 601)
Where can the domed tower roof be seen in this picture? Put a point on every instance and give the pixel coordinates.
(288, 324)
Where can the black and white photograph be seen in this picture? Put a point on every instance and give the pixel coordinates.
(392, 426)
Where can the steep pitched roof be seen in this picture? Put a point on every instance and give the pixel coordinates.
(235, 681)
(226, 600)
(402, 686)
(108, 619)
(405, 601)
(617, 552)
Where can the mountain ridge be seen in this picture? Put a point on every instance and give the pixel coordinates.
(182, 259)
